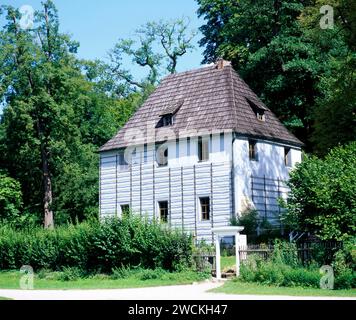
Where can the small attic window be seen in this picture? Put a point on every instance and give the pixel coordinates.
(167, 120)
(168, 113)
(261, 115)
(259, 112)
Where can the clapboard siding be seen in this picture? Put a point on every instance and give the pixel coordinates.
(140, 184)
(143, 183)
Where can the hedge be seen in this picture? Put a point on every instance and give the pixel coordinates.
(95, 246)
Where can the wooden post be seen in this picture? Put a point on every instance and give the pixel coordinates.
(131, 185)
(217, 257)
(237, 254)
(265, 193)
(116, 167)
(141, 186)
(170, 198)
(212, 202)
(182, 191)
(195, 207)
(99, 186)
(153, 192)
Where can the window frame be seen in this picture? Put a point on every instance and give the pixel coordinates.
(252, 154)
(125, 211)
(203, 156)
(204, 214)
(287, 157)
(166, 215)
(122, 163)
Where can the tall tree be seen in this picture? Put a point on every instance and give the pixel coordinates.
(156, 46)
(267, 45)
(335, 111)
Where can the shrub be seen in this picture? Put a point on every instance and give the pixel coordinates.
(301, 277)
(322, 197)
(10, 199)
(121, 272)
(70, 274)
(148, 274)
(94, 246)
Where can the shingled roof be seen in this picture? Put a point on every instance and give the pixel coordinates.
(209, 99)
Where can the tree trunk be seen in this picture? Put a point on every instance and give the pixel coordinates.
(47, 188)
(47, 183)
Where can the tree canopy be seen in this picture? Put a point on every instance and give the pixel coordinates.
(297, 68)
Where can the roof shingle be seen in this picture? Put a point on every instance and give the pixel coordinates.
(206, 99)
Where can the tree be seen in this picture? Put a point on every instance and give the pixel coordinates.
(158, 47)
(335, 110)
(10, 198)
(268, 45)
(322, 199)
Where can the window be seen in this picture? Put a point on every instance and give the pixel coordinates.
(145, 153)
(205, 208)
(125, 209)
(188, 146)
(167, 120)
(222, 141)
(252, 150)
(287, 157)
(177, 148)
(260, 115)
(163, 210)
(123, 165)
(258, 110)
(203, 149)
(162, 155)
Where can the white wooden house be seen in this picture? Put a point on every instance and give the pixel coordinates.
(201, 149)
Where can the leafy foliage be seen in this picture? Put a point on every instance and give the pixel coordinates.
(94, 246)
(10, 198)
(322, 197)
(56, 115)
(280, 50)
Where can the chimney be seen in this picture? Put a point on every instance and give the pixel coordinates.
(221, 63)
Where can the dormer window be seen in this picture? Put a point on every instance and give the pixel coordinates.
(167, 120)
(168, 113)
(260, 115)
(258, 110)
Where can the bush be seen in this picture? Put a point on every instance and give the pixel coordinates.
(344, 267)
(95, 246)
(148, 274)
(322, 199)
(70, 274)
(279, 274)
(10, 199)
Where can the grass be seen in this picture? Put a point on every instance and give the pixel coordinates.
(238, 287)
(3, 298)
(228, 262)
(10, 280)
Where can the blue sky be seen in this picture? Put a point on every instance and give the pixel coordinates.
(97, 25)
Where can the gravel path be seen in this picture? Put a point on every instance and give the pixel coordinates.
(180, 292)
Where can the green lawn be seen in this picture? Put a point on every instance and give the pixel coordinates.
(237, 287)
(228, 262)
(10, 280)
